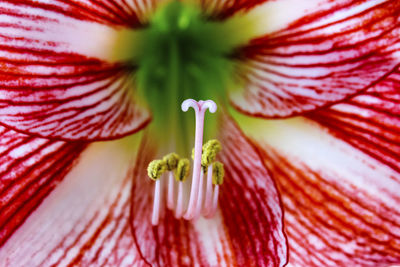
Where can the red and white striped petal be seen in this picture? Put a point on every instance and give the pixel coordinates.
(319, 59)
(80, 101)
(30, 29)
(115, 12)
(85, 220)
(246, 231)
(264, 12)
(51, 85)
(369, 121)
(341, 205)
(223, 9)
(30, 169)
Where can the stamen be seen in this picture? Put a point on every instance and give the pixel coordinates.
(214, 206)
(171, 163)
(156, 204)
(209, 154)
(171, 185)
(200, 196)
(210, 151)
(218, 173)
(209, 191)
(218, 179)
(182, 172)
(155, 169)
(179, 202)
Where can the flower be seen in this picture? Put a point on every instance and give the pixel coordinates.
(312, 168)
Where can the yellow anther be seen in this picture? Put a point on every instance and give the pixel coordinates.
(171, 161)
(156, 168)
(210, 151)
(182, 170)
(213, 144)
(218, 173)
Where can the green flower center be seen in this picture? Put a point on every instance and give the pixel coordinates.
(181, 55)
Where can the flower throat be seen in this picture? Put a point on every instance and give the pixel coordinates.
(182, 55)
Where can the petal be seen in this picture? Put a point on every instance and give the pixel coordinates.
(222, 9)
(79, 26)
(50, 87)
(341, 205)
(85, 220)
(319, 59)
(264, 12)
(247, 230)
(369, 121)
(116, 12)
(30, 169)
(80, 101)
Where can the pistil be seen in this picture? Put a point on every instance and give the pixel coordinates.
(199, 108)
